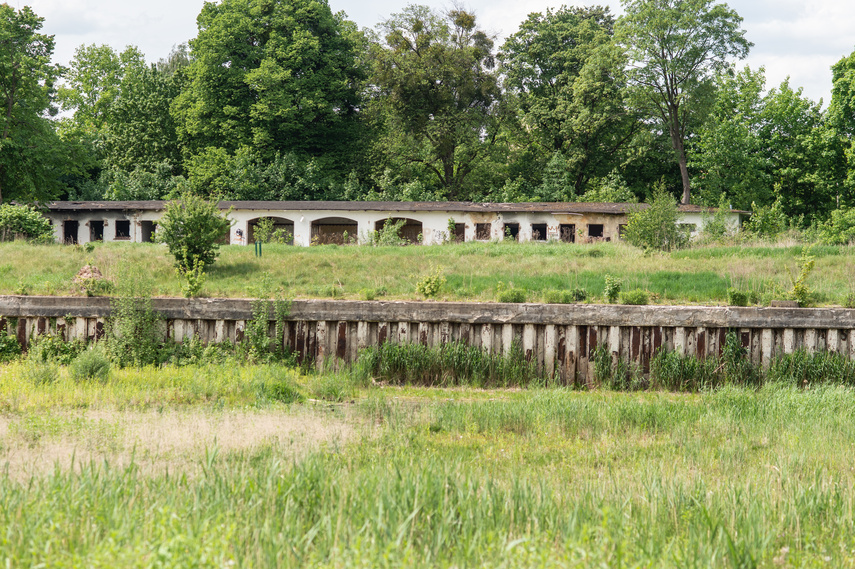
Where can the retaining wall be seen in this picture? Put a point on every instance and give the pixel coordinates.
(560, 338)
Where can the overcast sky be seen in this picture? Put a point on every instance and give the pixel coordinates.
(796, 38)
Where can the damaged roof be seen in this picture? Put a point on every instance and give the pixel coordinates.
(465, 207)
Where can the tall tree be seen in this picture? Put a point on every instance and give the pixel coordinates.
(841, 115)
(568, 75)
(436, 80)
(675, 48)
(30, 156)
(276, 76)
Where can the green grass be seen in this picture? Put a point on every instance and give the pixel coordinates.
(473, 270)
(433, 477)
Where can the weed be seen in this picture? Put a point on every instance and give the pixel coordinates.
(40, 372)
(9, 346)
(800, 291)
(553, 296)
(510, 293)
(737, 297)
(612, 288)
(53, 348)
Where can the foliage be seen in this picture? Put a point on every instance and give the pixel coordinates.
(564, 296)
(510, 293)
(134, 336)
(192, 228)
(9, 346)
(634, 297)
(54, 348)
(257, 344)
(91, 364)
(389, 234)
(715, 225)
(655, 227)
(675, 47)
(441, 94)
(194, 279)
(736, 297)
(431, 284)
(611, 290)
(266, 232)
(275, 77)
(451, 364)
(801, 292)
(30, 152)
(839, 228)
(567, 75)
(766, 221)
(24, 221)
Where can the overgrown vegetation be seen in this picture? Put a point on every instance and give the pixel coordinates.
(24, 222)
(655, 227)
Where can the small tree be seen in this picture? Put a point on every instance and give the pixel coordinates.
(655, 227)
(192, 228)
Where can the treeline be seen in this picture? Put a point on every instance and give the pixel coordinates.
(286, 100)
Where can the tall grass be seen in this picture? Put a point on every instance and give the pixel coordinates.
(451, 364)
(734, 478)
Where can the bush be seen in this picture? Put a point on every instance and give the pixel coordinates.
(91, 364)
(192, 228)
(839, 229)
(23, 221)
(51, 348)
(430, 285)
(635, 297)
(564, 296)
(737, 297)
(655, 227)
(40, 373)
(9, 346)
(133, 334)
(510, 293)
(389, 235)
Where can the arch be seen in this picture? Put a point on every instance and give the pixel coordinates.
(411, 231)
(281, 226)
(338, 230)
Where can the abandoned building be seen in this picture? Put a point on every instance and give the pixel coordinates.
(307, 223)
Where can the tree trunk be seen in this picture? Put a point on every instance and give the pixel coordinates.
(680, 150)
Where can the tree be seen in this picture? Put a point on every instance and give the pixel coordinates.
(675, 48)
(728, 152)
(141, 131)
(841, 115)
(93, 83)
(568, 76)
(30, 152)
(192, 228)
(439, 92)
(23, 221)
(276, 76)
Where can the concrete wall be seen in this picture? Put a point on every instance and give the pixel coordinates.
(559, 337)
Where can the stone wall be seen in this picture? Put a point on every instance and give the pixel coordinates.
(558, 337)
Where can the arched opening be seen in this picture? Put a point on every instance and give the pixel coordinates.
(271, 230)
(411, 231)
(338, 230)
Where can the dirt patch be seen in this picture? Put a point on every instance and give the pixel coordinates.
(158, 442)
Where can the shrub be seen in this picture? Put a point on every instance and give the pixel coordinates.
(655, 227)
(9, 346)
(839, 229)
(389, 235)
(612, 288)
(510, 293)
(192, 228)
(133, 334)
(51, 348)
(565, 296)
(91, 364)
(801, 292)
(736, 297)
(430, 285)
(40, 373)
(23, 221)
(266, 232)
(635, 297)
(766, 221)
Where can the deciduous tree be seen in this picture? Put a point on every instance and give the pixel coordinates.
(675, 48)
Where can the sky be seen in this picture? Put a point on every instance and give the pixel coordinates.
(799, 39)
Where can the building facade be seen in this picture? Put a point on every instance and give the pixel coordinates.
(427, 223)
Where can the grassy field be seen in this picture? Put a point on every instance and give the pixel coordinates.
(473, 270)
(212, 466)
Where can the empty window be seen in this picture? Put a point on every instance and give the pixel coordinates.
(595, 230)
(460, 232)
(482, 231)
(512, 231)
(567, 232)
(69, 231)
(123, 229)
(538, 231)
(96, 230)
(147, 230)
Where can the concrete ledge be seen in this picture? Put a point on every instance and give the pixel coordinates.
(466, 312)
